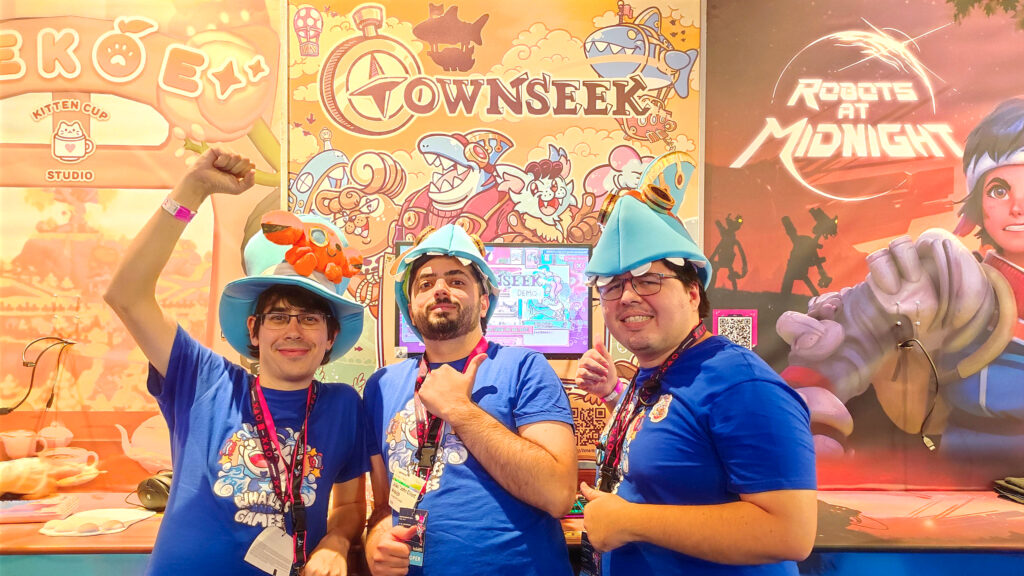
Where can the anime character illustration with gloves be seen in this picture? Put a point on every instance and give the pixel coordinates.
(938, 333)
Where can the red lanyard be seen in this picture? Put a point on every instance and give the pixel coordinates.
(429, 428)
(290, 490)
(628, 409)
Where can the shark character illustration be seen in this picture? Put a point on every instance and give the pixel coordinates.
(639, 47)
(463, 187)
(444, 28)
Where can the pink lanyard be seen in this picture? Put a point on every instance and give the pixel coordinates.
(429, 428)
(290, 490)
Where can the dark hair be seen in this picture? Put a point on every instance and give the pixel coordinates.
(419, 262)
(297, 297)
(688, 274)
(998, 134)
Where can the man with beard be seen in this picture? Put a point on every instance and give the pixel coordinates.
(475, 453)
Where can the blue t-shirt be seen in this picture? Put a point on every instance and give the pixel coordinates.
(221, 495)
(724, 424)
(473, 525)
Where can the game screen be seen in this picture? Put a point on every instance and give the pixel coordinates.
(543, 304)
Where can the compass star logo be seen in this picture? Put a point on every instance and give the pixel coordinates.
(362, 79)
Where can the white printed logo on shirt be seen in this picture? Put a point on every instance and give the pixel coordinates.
(402, 444)
(245, 478)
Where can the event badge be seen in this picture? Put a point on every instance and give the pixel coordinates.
(418, 518)
(405, 490)
(272, 552)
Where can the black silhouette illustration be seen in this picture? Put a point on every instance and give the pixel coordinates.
(804, 254)
(451, 40)
(728, 249)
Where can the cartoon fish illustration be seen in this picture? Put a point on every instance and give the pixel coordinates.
(639, 47)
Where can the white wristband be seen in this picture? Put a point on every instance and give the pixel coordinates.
(614, 394)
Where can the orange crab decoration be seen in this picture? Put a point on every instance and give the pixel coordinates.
(315, 246)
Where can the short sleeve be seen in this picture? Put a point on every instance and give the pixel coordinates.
(358, 462)
(761, 429)
(540, 396)
(373, 414)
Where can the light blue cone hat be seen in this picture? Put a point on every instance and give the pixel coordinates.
(636, 234)
(265, 266)
(449, 240)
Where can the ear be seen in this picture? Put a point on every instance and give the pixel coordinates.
(485, 305)
(253, 337)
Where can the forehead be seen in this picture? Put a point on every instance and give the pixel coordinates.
(656, 266)
(1012, 173)
(282, 304)
(443, 265)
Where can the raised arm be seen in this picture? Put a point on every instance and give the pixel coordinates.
(132, 292)
(536, 463)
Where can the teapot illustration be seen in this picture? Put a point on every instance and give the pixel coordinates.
(150, 444)
(56, 435)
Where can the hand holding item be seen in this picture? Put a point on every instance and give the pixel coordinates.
(388, 553)
(595, 372)
(446, 390)
(602, 518)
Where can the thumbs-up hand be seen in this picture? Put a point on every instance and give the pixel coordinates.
(445, 390)
(595, 372)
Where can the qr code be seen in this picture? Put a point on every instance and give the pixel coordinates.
(739, 329)
(589, 422)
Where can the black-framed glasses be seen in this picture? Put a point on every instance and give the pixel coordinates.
(280, 320)
(644, 285)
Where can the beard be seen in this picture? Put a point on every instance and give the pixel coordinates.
(451, 325)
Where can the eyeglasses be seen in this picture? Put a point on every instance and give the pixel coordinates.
(658, 199)
(307, 320)
(644, 285)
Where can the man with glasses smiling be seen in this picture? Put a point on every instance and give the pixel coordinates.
(707, 464)
(256, 460)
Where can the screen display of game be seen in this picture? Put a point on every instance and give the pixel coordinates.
(543, 304)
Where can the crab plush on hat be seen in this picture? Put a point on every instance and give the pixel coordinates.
(306, 251)
(449, 240)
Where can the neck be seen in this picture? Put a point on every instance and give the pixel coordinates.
(454, 349)
(267, 381)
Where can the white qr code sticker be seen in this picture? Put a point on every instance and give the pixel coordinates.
(740, 326)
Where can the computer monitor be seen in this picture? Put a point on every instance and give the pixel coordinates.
(544, 300)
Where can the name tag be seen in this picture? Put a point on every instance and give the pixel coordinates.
(272, 552)
(405, 490)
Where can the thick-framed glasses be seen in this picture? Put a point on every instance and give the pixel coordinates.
(644, 285)
(656, 198)
(307, 320)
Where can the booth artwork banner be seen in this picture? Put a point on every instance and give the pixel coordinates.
(514, 120)
(835, 200)
(103, 105)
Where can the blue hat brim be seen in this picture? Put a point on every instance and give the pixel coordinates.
(238, 302)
